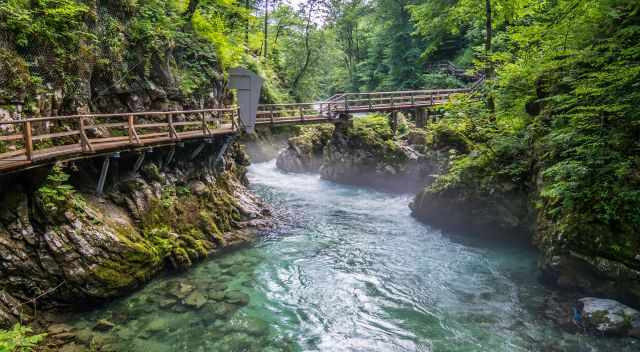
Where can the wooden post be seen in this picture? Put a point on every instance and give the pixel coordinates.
(420, 118)
(172, 131)
(369, 99)
(103, 175)
(84, 140)
(394, 121)
(133, 135)
(301, 113)
(139, 162)
(271, 114)
(28, 140)
(346, 103)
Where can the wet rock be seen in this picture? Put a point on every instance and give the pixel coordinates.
(195, 300)
(104, 325)
(222, 309)
(608, 317)
(84, 336)
(149, 345)
(125, 334)
(198, 188)
(157, 325)
(56, 329)
(218, 286)
(256, 327)
(180, 290)
(72, 347)
(216, 295)
(236, 297)
(167, 303)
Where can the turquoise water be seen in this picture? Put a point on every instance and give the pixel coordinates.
(347, 269)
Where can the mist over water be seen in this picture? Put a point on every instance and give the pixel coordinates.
(348, 269)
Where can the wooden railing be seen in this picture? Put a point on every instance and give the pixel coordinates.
(51, 138)
(346, 103)
(40, 138)
(389, 101)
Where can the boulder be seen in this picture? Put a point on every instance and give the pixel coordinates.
(608, 317)
(236, 297)
(104, 325)
(195, 300)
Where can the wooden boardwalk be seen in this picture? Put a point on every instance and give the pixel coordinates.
(31, 142)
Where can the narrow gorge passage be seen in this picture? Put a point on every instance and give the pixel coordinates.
(347, 269)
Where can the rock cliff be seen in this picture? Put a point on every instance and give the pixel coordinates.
(58, 238)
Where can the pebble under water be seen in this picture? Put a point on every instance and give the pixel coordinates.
(347, 269)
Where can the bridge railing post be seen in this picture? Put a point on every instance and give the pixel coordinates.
(85, 145)
(28, 140)
(346, 103)
(369, 100)
(133, 135)
(172, 131)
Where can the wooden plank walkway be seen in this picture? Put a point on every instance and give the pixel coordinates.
(30, 142)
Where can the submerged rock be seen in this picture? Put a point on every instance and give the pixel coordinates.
(236, 297)
(180, 290)
(104, 325)
(195, 300)
(609, 317)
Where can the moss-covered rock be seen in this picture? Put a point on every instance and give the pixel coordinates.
(305, 150)
(110, 245)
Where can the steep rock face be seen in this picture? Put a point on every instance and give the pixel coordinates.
(83, 248)
(304, 152)
(364, 151)
(505, 211)
(609, 317)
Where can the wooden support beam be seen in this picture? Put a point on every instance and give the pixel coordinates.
(420, 117)
(394, 122)
(170, 156)
(138, 164)
(197, 151)
(28, 140)
(103, 175)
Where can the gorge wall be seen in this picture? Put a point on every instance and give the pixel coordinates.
(468, 199)
(58, 237)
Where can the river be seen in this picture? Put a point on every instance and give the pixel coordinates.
(347, 269)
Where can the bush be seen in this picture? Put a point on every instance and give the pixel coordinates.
(56, 194)
(19, 339)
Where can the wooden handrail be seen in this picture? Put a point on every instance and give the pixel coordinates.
(149, 127)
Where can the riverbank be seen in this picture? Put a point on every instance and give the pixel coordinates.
(460, 194)
(73, 249)
(347, 268)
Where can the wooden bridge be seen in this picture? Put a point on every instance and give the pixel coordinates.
(30, 142)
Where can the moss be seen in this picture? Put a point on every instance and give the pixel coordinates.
(443, 136)
(14, 73)
(152, 172)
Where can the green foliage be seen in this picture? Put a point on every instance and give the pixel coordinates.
(19, 339)
(563, 112)
(56, 195)
(374, 134)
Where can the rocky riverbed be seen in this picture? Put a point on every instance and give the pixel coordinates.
(76, 249)
(365, 152)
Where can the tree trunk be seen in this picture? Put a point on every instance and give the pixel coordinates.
(246, 25)
(266, 26)
(303, 70)
(489, 38)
